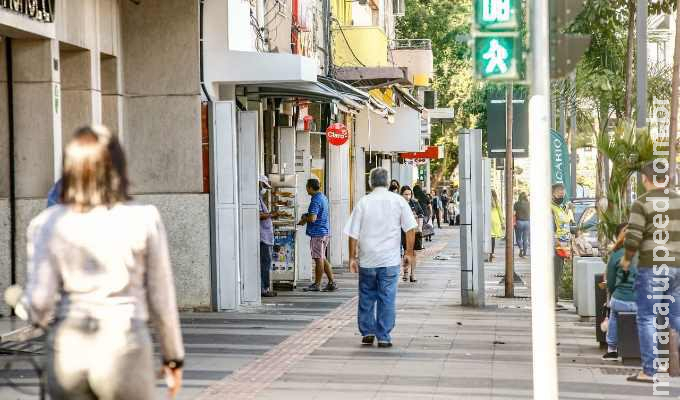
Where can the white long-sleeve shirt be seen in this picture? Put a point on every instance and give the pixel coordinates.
(377, 222)
(109, 264)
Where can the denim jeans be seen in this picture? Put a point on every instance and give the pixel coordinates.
(646, 286)
(377, 298)
(265, 265)
(615, 307)
(523, 235)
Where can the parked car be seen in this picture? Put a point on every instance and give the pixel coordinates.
(580, 206)
(587, 224)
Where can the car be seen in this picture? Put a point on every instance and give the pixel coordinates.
(587, 224)
(580, 206)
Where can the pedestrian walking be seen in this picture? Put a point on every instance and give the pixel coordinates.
(394, 186)
(653, 234)
(445, 205)
(409, 270)
(522, 213)
(497, 223)
(318, 229)
(266, 239)
(374, 231)
(562, 238)
(437, 208)
(620, 285)
(98, 269)
(54, 193)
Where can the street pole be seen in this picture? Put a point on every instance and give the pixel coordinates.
(543, 326)
(574, 149)
(674, 103)
(509, 172)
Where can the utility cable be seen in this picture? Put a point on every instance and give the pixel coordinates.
(347, 42)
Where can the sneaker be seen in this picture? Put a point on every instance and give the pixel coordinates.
(269, 293)
(312, 288)
(384, 345)
(368, 340)
(330, 287)
(611, 356)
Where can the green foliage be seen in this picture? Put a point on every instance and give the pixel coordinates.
(444, 22)
(629, 149)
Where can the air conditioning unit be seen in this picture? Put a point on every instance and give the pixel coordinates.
(398, 8)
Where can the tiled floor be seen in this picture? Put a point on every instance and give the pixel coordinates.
(306, 346)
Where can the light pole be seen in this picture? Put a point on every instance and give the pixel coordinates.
(544, 337)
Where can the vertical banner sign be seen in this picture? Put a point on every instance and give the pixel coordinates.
(560, 162)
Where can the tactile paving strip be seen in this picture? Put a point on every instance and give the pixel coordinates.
(247, 382)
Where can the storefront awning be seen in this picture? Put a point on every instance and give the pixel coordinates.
(408, 99)
(316, 91)
(359, 95)
(378, 134)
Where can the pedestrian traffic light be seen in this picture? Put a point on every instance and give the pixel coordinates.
(497, 50)
(566, 49)
(496, 57)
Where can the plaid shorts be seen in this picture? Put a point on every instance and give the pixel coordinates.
(318, 246)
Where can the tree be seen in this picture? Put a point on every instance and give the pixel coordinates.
(444, 22)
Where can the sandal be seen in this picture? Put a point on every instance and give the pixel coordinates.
(638, 378)
(412, 279)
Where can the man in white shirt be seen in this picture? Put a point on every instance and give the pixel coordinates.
(374, 228)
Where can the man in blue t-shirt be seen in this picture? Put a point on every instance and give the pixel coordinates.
(318, 227)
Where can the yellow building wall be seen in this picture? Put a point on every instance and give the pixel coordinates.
(342, 10)
(368, 43)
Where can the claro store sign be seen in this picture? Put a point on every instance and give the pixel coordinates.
(39, 10)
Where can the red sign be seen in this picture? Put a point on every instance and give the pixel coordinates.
(337, 134)
(432, 152)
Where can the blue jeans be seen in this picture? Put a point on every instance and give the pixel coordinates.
(265, 265)
(377, 286)
(645, 286)
(523, 235)
(615, 307)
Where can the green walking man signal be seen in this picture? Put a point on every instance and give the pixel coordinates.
(497, 48)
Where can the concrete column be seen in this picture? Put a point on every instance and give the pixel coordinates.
(111, 95)
(37, 115)
(5, 240)
(37, 132)
(338, 196)
(80, 89)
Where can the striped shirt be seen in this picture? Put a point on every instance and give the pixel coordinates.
(655, 224)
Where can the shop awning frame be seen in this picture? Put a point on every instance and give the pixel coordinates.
(315, 91)
(375, 104)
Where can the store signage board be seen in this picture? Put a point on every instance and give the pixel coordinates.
(39, 10)
(337, 134)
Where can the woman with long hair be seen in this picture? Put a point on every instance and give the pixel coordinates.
(98, 270)
(407, 193)
(394, 186)
(621, 288)
(497, 223)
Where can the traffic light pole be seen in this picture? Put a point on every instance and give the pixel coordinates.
(509, 174)
(543, 327)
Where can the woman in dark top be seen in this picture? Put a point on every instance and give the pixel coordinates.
(394, 186)
(620, 285)
(407, 193)
(425, 203)
(522, 218)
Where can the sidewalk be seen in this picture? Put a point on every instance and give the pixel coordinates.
(306, 345)
(442, 350)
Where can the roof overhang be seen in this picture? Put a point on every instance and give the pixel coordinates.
(250, 67)
(315, 91)
(371, 76)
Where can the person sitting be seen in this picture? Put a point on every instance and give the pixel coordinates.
(620, 285)
(581, 246)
